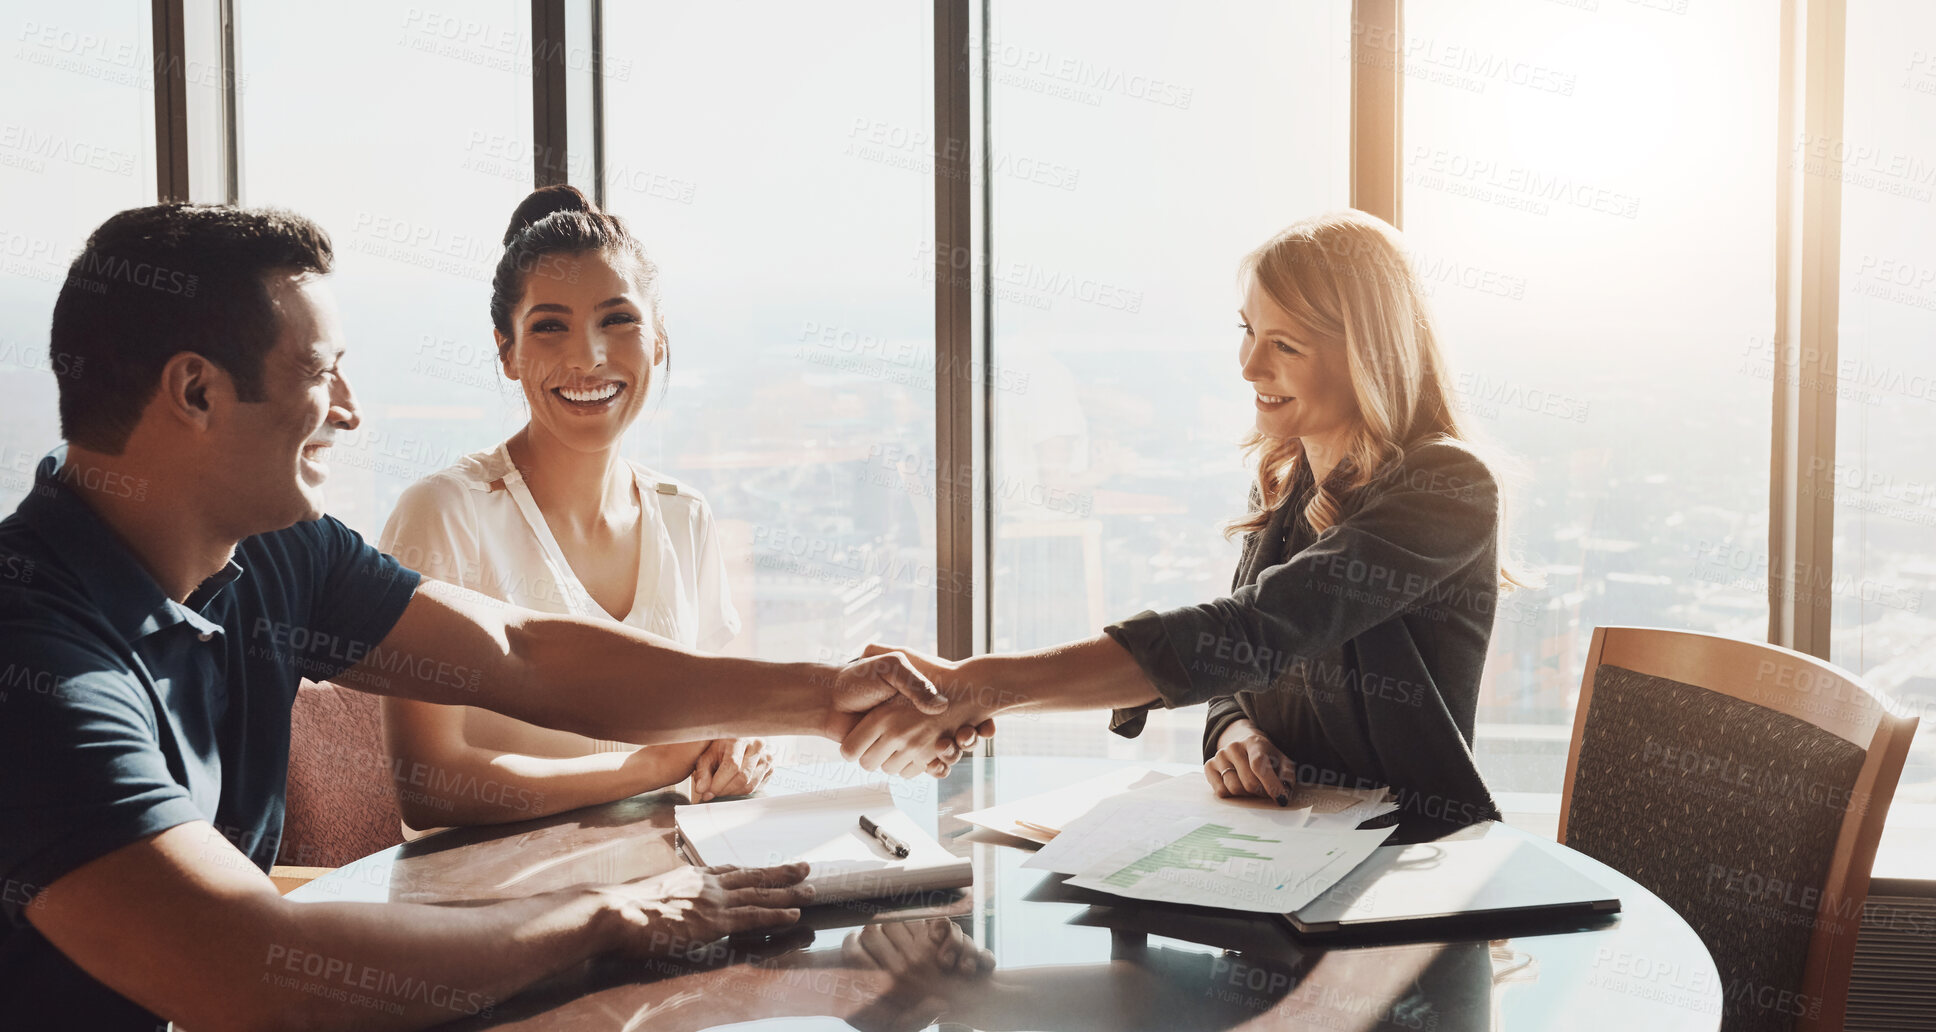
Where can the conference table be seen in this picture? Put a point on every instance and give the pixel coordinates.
(1064, 958)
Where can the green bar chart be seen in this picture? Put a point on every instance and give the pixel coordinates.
(1208, 847)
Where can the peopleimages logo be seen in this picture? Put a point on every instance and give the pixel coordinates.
(346, 981)
(1076, 78)
(900, 360)
(1487, 397)
(305, 648)
(38, 147)
(820, 558)
(1866, 165)
(1454, 64)
(1514, 186)
(93, 271)
(1016, 280)
(900, 146)
(60, 363)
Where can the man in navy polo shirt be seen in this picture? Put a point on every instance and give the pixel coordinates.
(165, 585)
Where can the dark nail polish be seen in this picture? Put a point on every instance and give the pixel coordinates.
(1283, 800)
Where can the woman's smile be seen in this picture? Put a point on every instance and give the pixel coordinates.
(1281, 354)
(591, 398)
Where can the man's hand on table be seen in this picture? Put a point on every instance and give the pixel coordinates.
(893, 689)
(933, 946)
(928, 960)
(899, 738)
(671, 913)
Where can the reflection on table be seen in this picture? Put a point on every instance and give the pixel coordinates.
(1022, 950)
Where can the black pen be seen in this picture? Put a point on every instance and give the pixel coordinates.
(888, 842)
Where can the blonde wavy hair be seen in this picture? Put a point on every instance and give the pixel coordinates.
(1343, 278)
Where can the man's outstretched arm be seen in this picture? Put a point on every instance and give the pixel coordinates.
(609, 681)
(182, 924)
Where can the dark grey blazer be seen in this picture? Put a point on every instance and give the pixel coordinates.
(1357, 651)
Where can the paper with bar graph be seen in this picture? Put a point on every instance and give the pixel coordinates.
(1229, 858)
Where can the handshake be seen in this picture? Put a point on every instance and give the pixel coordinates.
(902, 712)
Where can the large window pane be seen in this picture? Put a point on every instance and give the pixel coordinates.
(405, 132)
(1883, 587)
(1588, 190)
(776, 164)
(77, 142)
(1138, 155)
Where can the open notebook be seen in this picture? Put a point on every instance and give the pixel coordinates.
(823, 828)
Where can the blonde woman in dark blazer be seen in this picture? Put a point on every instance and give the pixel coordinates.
(1350, 647)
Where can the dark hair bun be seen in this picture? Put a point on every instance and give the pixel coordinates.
(559, 220)
(543, 201)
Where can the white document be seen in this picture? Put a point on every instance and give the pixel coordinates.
(1329, 804)
(1233, 861)
(1342, 809)
(1331, 807)
(823, 828)
(1177, 841)
(1039, 817)
(1141, 819)
(1102, 831)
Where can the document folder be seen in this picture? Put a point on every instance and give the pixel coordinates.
(1431, 888)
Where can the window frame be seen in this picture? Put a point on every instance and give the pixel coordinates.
(1807, 224)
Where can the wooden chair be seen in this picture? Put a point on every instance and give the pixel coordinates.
(341, 801)
(1746, 785)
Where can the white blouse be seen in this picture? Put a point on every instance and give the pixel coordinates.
(475, 525)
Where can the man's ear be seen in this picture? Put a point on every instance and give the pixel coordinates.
(190, 387)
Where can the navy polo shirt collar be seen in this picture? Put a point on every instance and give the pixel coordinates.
(114, 579)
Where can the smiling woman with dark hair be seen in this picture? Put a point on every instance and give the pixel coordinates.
(555, 519)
